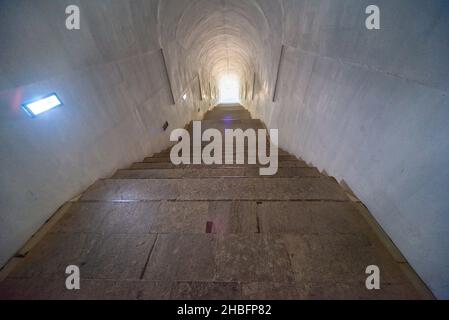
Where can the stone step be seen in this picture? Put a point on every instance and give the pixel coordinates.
(160, 231)
(219, 121)
(230, 124)
(227, 115)
(166, 153)
(167, 159)
(211, 173)
(169, 165)
(229, 107)
(261, 189)
(312, 217)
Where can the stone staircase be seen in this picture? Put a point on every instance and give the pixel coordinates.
(160, 231)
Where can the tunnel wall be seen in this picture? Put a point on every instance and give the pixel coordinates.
(111, 78)
(371, 108)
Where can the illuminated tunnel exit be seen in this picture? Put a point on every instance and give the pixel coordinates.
(229, 89)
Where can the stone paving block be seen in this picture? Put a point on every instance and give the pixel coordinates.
(108, 217)
(340, 258)
(206, 291)
(252, 258)
(261, 189)
(252, 159)
(270, 291)
(214, 173)
(153, 290)
(227, 115)
(217, 189)
(168, 165)
(51, 256)
(233, 217)
(39, 288)
(120, 256)
(299, 189)
(55, 289)
(150, 174)
(193, 216)
(207, 172)
(356, 291)
(83, 217)
(319, 217)
(130, 218)
(182, 257)
(180, 217)
(157, 160)
(131, 189)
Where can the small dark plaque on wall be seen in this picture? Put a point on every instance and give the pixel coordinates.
(165, 127)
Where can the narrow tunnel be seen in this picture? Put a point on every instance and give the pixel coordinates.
(360, 111)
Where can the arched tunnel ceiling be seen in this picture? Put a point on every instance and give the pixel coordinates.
(219, 37)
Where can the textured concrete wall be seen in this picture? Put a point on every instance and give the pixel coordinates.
(111, 79)
(369, 107)
(372, 108)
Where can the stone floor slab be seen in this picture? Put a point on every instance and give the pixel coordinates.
(320, 217)
(118, 256)
(206, 291)
(168, 165)
(182, 258)
(216, 189)
(52, 255)
(211, 173)
(252, 258)
(339, 258)
(270, 291)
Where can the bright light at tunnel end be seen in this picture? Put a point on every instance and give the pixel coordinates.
(38, 106)
(229, 89)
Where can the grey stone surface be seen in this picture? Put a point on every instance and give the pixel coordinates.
(167, 165)
(338, 258)
(252, 257)
(281, 158)
(54, 289)
(311, 218)
(216, 189)
(210, 173)
(206, 291)
(357, 291)
(270, 291)
(53, 254)
(182, 258)
(108, 218)
(181, 217)
(118, 256)
(288, 237)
